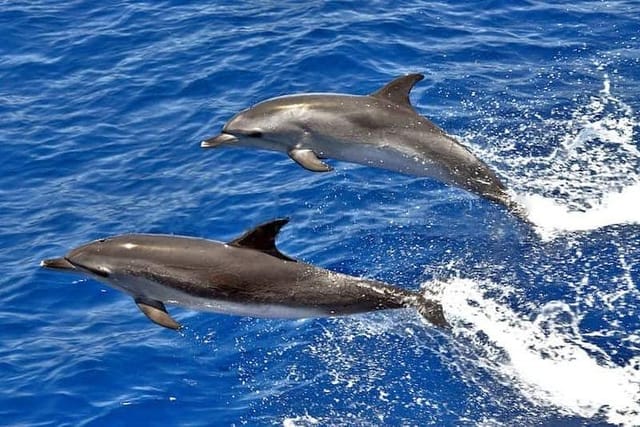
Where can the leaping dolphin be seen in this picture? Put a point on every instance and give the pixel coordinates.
(380, 130)
(248, 276)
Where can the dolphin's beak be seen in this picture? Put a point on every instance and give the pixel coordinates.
(57, 264)
(223, 138)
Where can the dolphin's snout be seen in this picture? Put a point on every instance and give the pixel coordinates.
(57, 264)
(223, 138)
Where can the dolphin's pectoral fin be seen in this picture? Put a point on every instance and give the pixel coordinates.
(263, 239)
(309, 160)
(397, 91)
(157, 313)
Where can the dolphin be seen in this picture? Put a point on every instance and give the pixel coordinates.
(247, 276)
(380, 130)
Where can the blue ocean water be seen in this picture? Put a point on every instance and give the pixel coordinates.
(103, 105)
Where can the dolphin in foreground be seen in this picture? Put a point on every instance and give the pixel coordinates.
(380, 130)
(248, 276)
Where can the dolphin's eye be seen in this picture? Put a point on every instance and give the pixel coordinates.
(254, 134)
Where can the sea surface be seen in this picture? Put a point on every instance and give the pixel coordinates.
(102, 109)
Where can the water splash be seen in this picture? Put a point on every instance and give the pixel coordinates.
(301, 421)
(544, 357)
(553, 218)
(584, 172)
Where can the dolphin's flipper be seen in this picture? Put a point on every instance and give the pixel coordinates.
(157, 313)
(397, 91)
(263, 239)
(309, 160)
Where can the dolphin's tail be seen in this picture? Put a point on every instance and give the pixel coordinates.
(431, 311)
(517, 210)
(513, 207)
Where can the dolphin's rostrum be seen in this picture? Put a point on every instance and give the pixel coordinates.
(381, 130)
(247, 276)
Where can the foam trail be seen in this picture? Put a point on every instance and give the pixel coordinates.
(553, 218)
(546, 359)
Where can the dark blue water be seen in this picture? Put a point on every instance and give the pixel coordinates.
(103, 105)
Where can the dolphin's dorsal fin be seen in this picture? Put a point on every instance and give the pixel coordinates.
(397, 91)
(263, 238)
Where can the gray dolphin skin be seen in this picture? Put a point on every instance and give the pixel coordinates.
(380, 130)
(248, 276)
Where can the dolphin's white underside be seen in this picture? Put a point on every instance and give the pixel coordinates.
(382, 155)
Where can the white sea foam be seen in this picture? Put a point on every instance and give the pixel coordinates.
(553, 218)
(301, 421)
(545, 357)
(589, 173)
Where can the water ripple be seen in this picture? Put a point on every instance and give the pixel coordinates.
(102, 107)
